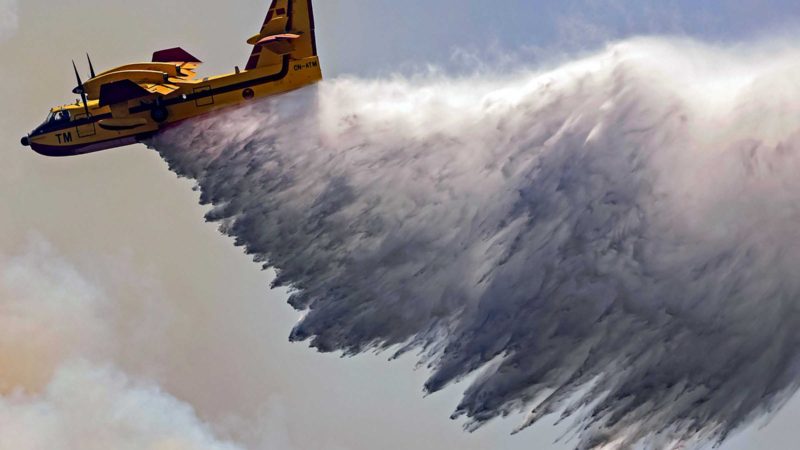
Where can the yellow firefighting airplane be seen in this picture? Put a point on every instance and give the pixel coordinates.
(125, 105)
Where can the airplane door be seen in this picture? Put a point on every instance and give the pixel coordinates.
(85, 130)
(205, 97)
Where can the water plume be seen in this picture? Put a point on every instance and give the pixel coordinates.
(614, 239)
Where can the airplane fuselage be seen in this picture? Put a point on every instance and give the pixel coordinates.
(132, 121)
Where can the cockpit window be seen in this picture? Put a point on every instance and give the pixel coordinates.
(57, 116)
(55, 120)
(61, 116)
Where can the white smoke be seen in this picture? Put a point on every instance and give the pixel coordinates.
(616, 238)
(9, 20)
(86, 407)
(62, 385)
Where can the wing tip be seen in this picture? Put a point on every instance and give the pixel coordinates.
(175, 54)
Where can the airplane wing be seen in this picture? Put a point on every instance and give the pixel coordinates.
(121, 91)
(160, 77)
(152, 81)
(160, 89)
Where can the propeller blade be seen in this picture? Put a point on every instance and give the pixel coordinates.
(91, 67)
(81, 89)
(85, 104)
(78, 77)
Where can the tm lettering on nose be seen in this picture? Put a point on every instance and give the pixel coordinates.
(64, 138)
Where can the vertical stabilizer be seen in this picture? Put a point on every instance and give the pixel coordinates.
(287, 30)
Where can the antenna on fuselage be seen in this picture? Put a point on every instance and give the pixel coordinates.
(80, 89)
(91, 67)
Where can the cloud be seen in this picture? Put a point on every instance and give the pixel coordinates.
(62, 386)
(8, 18)
(615, 239)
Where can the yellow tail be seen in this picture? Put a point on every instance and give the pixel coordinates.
(287, 30)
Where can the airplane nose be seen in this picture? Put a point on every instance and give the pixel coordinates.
(26, 142)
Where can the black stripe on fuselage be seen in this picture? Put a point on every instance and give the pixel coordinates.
(180, 98)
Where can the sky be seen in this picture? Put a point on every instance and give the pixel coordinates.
(112, 247)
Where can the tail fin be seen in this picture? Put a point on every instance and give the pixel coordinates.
(287, 30)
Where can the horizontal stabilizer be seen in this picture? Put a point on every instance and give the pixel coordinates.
(174, 55)
(121, 91)
(280, 44)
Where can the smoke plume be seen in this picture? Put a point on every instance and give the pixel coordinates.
(615, 239)
(63, 345)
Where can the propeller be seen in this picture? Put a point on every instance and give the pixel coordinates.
(91, 67)
(81, 89)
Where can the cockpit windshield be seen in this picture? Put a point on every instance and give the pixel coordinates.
(61, 115)
(56, 120)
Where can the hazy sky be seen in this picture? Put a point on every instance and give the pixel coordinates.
(224, 349)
